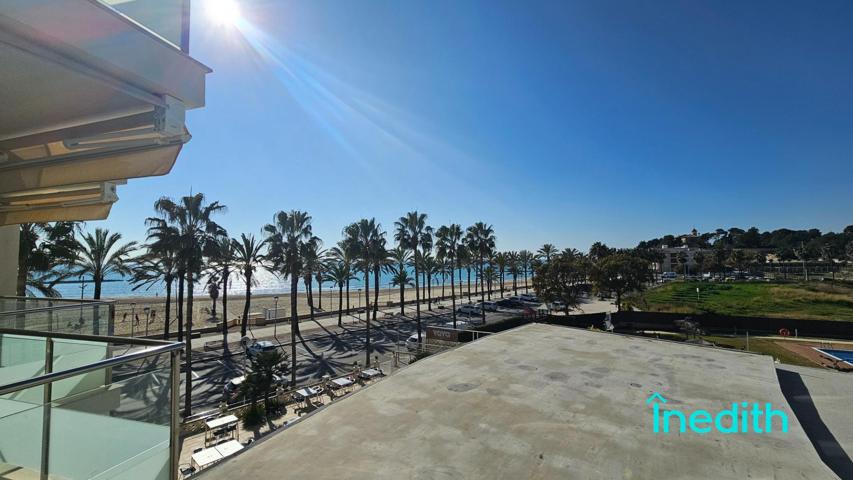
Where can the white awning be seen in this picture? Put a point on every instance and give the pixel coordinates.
(89, 98)
(37, 168)
(73, 202)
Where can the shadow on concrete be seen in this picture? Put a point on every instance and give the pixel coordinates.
(800, 400)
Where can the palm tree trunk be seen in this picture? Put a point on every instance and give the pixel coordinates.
(514, 284)
(482, 290)
(320, 291)
(181, 279)
(246, 307)
(96, 317)
(347, 295)
(417, 297)
(402, 298)
(367, 316)
(429, 292)
(469, 282)
(188, 379)
(310, 295)
(225, 274)
(375, 292)
(453, 296)
(340, 304)
(168, 308)
(294, 326)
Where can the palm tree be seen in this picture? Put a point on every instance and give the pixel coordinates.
(400, 277)
(287, 236)
(312, 263)
(100, 256)
(525, 259)
(399, 260)
(463, 256)
(449, 244)
(343, 253)
(481, 238)
(196, 231)
(221, 259)
(248, 256)
(213, 292)
(42, 248)
(164, 242)
(340, 274)
(514, 269)
(149, 270)
(368, 242)
(425, 257)
(379, 261)
(429, 267)
(546, 252)
(500, 261)
(409, 231)
(263, 369)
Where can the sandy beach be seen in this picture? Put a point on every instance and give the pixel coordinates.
(135, 307)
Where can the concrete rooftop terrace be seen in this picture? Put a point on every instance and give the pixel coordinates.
(541, 402)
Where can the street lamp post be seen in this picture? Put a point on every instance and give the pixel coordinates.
(147, 314)
(132, 317)
(275, 320)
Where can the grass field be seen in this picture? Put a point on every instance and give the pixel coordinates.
(822, 301)
(760, 345)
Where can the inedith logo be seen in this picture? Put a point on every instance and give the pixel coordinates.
(738, 419)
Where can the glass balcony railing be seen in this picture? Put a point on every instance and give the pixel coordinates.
(169, 19)
(81, 406)
(59, 315)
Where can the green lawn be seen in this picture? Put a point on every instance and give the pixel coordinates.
(822, 301)
(760, 345)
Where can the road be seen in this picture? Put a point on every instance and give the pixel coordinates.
(325, 349)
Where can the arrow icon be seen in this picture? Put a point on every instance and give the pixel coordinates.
(655, 396)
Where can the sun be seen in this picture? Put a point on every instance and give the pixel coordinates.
(223, 12)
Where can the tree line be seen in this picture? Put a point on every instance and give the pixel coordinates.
(185, 245)
(785, 243)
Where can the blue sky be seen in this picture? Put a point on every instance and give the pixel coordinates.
(557, 121)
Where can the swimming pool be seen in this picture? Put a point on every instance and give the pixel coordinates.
(842, 355)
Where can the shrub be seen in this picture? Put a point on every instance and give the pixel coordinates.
(253, 416)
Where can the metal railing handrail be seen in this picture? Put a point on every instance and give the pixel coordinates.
(99, 365)
(85, 337)
(68, 304)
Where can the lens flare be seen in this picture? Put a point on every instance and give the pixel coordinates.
(223, 12)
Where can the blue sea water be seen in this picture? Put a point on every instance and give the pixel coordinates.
(266, 283)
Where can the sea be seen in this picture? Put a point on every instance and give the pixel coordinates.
(266, 282)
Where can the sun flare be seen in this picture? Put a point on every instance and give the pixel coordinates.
(223, 12)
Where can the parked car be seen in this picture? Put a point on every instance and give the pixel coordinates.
(667, 276)
(232, 387)
(460, 325)
(557, 305)
(412, 342)
(529, 298)
(260, 347)
(510, 303)
(489, 306)
(469, 309)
